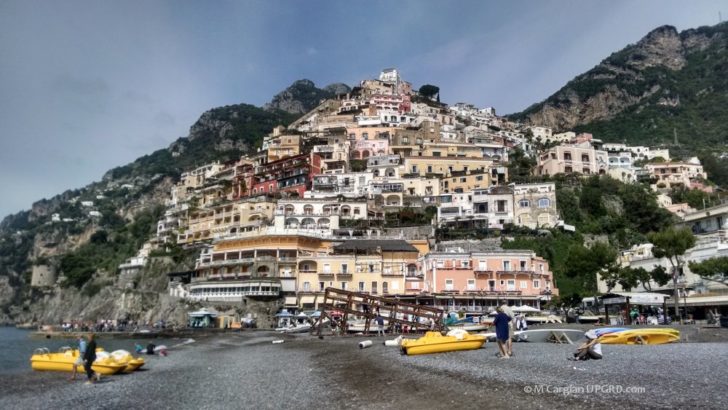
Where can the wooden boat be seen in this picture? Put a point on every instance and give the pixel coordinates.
(43, 359)
(656, 336)
(435, 342)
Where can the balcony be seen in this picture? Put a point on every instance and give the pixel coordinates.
(479, 272)
(344, 276)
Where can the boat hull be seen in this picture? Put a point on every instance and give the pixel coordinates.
(434, 342)
(642, 336)
(548, 335)
(61, 362)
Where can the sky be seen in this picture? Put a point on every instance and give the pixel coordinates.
(86, 86)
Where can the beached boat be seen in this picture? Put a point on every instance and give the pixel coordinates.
(606, 330)
(656, 336)
(297, 328)
(132, 363)
(588, 318)
(548, 335)
(435, 342)
(538, 319)
(43, 359)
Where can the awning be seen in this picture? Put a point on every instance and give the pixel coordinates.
(704, 300)
(307, 299)
(635, 298)
(291, 301)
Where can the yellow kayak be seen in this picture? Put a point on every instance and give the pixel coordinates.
(435, 342)
(656, 336)
(63, 361)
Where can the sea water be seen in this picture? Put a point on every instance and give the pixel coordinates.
(16, 347)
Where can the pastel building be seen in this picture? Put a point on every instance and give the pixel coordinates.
(567, 159)
(489, 278)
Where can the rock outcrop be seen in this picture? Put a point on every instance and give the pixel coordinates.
(303, 96)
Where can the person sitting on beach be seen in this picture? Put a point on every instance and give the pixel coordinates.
(591, 349)
(501, 323)
(79, 359)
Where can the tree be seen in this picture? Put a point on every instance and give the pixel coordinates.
(519, 166)
(585, 263)
(672, 243)
(713, 269)
(430, 91)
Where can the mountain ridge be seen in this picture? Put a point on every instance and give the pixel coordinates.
(672, 76)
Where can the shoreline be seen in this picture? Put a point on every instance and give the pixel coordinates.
(246, 370)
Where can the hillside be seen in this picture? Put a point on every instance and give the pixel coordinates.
(129, 199)
(667, 84)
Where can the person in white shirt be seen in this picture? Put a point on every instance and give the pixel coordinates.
(591, 349)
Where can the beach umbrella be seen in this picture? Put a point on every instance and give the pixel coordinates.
(284, 313)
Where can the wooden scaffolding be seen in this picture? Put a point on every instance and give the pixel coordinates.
(339, 304)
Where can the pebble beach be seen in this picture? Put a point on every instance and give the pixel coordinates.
(246, 370)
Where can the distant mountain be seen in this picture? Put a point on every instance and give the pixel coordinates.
(303, 96)
(668, 84)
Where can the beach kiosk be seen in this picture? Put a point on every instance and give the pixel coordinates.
(203, 318)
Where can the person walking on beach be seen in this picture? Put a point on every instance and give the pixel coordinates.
(509, 344)
(501, 323)
(79, 359)
(380, 325)
(88, 359)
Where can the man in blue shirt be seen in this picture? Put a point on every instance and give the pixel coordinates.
(79, 358)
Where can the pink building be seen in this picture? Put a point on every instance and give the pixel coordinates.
(486, 279)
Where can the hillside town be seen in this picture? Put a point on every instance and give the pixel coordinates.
(351, 194)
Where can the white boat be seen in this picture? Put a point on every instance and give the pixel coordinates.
(297, 328)
(589, 318)
(548, 335)
(537, 319)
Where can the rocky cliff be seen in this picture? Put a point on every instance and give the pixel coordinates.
(303, 96)
(666, 84)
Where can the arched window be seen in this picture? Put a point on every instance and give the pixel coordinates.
(524, 203)
(544, 203)
(308, 210)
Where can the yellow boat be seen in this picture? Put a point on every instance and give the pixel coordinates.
(656, 336)
(63, 361)
(123, 356)
(435, 342)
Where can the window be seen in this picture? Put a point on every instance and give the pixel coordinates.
(523, 265)
(374, 288)
(584, 157)
(429, 168)
(506, 266)
(536, 284)
(343, 285)
(491, 285)
(440, 264)
(471, 284)
(405, 140)
(344, 268)
(544, 203)
(524, 203)
(414, 169)
(449, 284)
(361, 286)
(479, 178)
(322, 286)
(463, 179)
(365, 135)
(306, 287)
(567, 156)
(371, 268)
(327, 268)
(385, 287)
(482, 266)
(524, 284)
(511, 284)
(466, 264)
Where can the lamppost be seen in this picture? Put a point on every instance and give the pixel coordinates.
(682, 283)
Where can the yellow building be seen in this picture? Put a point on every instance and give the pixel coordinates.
(213, 222)
(444, 166)
(460, 182)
